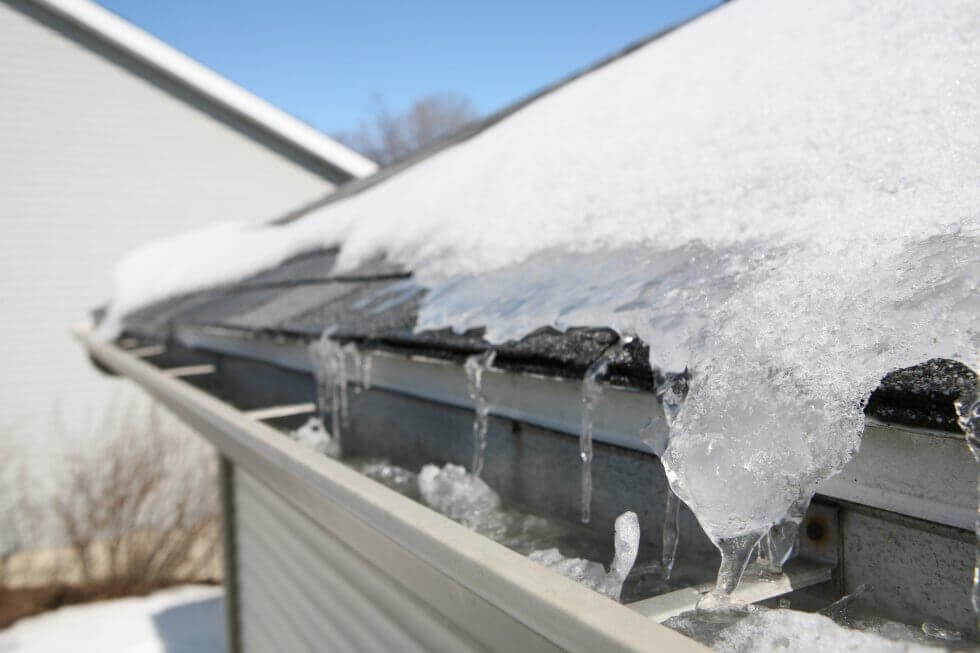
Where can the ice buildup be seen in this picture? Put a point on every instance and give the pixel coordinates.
(312, 434)
(780, 198)
(592, 574)
(474, 367)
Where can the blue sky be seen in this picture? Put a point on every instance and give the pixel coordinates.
(325, 62)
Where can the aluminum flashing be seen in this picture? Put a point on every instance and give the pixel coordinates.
(475, 584)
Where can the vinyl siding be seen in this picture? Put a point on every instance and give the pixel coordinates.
(99, 155)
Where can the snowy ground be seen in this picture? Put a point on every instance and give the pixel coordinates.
(186, 619)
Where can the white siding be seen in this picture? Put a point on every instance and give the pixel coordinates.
(96, 158)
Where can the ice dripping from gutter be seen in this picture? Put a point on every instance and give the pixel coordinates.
(790, 228)
(475, 367)
(332, 364)
(367, 365)
(591, 394)
(671, 391)
(670, 536)
(968, 417)
(330, 371)
(352, 355)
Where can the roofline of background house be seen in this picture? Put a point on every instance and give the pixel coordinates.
(149, 50)
(472, 129)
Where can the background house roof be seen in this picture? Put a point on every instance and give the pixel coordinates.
(142, 46)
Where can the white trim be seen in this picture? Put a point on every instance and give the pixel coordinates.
(453, 569)
(150, 50)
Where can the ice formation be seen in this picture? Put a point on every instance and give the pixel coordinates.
(791, 630)
(968, 417)
(592, 574)
(780, 198)
(591, 394)
(332, 366)
(670, 535)
(474, 367)
(313, 435)
(462, 497)
(468, 500)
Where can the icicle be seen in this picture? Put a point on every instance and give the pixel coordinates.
(626, 544)
(353, 355)
(735, 555)
(475, 366)
(330, 371)
(671, 533)
(366, 365)
(968, 417)
(591, 393)
(783, 539)
(671, 392)
(838, 609)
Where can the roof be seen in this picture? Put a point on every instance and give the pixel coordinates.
(150, 51)
(377, 306)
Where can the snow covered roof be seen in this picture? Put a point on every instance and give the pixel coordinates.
(780, 199)
(377, 305)
(151, 51)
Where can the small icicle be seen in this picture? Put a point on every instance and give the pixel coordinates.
(735, 555)
(671, 392)
(591, 393)
(330, 371)
(671, 533)
(367, 363)
(838, 610)
(353, 356)
(475, 366)
(626, 544)
(968, 417)
(783, 539)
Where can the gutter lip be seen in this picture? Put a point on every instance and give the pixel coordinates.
(555, 607)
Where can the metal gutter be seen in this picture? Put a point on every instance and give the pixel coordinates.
(457, 570)
(151, 51)
(915, 472)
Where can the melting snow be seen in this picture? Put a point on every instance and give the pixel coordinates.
(781, 198)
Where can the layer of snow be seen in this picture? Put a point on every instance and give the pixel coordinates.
(791, 630)
(782, 197)
(187, 619)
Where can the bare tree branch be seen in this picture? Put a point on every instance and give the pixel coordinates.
(388, 138)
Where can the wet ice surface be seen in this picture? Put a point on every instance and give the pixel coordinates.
(592, 574)
(475, 367)
(790, 227)
(968, 418)
(761, 629)
(314, 435)
(565, 548)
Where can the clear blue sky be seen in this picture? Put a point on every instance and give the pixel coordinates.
(325, 61)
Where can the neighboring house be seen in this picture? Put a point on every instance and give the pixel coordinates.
(109, 139)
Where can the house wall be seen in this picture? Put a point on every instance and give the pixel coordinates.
(98, 154)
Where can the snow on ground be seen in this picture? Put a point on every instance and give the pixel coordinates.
(186, 619)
